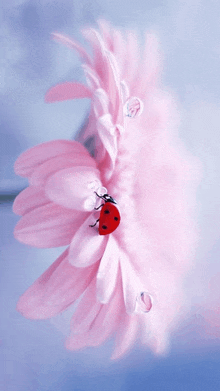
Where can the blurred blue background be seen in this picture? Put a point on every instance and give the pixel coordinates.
(32, 353)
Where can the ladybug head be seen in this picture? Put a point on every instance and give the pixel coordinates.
(108, 198)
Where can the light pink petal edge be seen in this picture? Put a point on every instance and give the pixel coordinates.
(49, 225)
(33, 157)
(67, 91)
(57, 288)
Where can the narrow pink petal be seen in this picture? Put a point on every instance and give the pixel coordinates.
(119, 50)
(91, 77)
(66, 91)
(50, 167)
(126, 336)
(108, 270)
(108, 135)
(113, 87)
(98, 46)
(125, 93)
(107, 320)
(49, 225)
(106, 33)
(132, 286)
(69, 42)
(28, 199)
(33, 157)
(105, 67)
(93, 322)
(100, 103)
(58, 287)
(86, 311)
(71, 187)
(87, 246)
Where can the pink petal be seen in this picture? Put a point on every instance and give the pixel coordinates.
(125, 93)
(106, 322)
(66, 91)
(86, 310)
(108, 270)
(28, 199)
(87, 246)
(107, 32)
(126, 336)
(114, 88)
(100, 59)
(58, 287)
(71, 187)
(108, 135)
(93, 322)
(105, 67)
(48, 168)
(100, 103)
(132, 285)
(91, 77)
(49, 225)
(69, 42)
(119, 50)
(33, 157)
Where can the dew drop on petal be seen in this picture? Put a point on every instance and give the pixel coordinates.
(133, 107)
(94, 185)
(101, 190)
(89, 203)
(144, 302)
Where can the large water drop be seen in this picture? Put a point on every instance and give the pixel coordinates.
(133, 107)
(144, 302)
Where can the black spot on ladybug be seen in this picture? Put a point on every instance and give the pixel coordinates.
(106, 212)
(116, 218)
(104, 227)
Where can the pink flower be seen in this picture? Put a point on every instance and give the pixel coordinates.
(132, 278)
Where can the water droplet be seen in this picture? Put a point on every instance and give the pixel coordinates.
(144, 302)
(89, 203)
(101, 190)
(133, 107)
(93, 185)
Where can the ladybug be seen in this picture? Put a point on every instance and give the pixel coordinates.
(109, 216)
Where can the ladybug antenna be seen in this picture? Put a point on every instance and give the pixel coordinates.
(106, 197)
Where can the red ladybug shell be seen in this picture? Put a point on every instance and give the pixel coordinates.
(109, 219)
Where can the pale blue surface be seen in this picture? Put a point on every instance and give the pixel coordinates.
(32, 353)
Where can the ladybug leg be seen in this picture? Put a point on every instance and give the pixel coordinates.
(99, 206)
(93, 225)
(99, 195)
